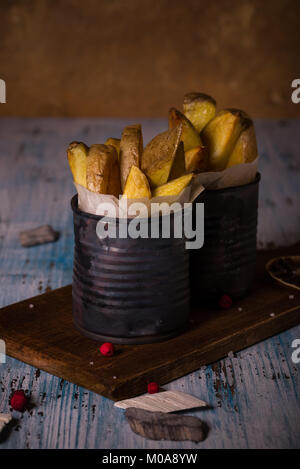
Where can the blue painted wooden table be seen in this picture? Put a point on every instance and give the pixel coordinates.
(254, 396)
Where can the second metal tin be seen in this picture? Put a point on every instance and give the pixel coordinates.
(226, 262)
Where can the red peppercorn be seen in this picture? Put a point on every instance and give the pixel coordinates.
(225, 302)
(107, 349)
(18, 400)
(153, 388)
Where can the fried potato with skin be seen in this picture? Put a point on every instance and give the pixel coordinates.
(77, 154)
(245, 149)
(115, 142)
(221, 134)
(160, 155)
(178, 165)
(199, 108)
(100, 162)
(173, 187)
(137, 185)
(189, 136)
(196, 160)
(114, 181)
(131, 149)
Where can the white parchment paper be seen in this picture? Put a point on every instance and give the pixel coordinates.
(109, 205)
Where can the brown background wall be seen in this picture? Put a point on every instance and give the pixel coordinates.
(138, 57)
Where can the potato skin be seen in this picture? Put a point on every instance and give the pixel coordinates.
(159, 156)
(99, 165)
(196, 96)
(189, 136)
(114, 181)
(131, 149)
(77, 154)
(178, 165)
(245, 149)
(115, 142)
(199, 108)
(196, 160)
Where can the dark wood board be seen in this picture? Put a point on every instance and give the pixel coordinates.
(44, 336)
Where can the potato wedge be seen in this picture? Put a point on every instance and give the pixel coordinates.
(115, 142)
(173, 187)
(77, 154)
(196, 160)
(131, 149)
(189, 136)
(221, 134)
(178, 165)
(160, 155)
(137, 185)
(245, 149)
(114, 180)
(100, 161)
(199, 108)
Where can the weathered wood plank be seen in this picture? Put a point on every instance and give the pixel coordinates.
(57, 347)
(255, 395)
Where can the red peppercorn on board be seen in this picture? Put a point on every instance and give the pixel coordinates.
(43, 335)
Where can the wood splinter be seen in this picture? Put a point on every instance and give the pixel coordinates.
(162, 426)
(41, 235)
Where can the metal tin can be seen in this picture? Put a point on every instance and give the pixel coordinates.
(226, 262)
(125, 290)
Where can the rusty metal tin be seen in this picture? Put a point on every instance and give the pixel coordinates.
(226, 262)
(128, 291)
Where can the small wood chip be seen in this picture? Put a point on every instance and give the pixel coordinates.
(4, 420)
(166, 401)
(161, 426)
(41, 235)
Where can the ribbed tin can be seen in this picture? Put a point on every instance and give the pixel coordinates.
(126, 290)
(226, 262)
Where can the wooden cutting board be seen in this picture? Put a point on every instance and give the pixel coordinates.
(44, 336)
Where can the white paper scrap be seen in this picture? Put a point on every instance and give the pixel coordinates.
(165, 401)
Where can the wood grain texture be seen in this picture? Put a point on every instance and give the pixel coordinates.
(139, 57)
(161, 426)
(254, 394)
(50, 341)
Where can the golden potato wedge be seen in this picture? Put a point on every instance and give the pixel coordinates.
(199, 108)
(131, 149)
(196, 160)
(115, 142)
(221, 134)
(160, 154)
(137, 185)
(100, 160)
(245, 149)
(77, 153)
(189, 136)
(173, 187)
